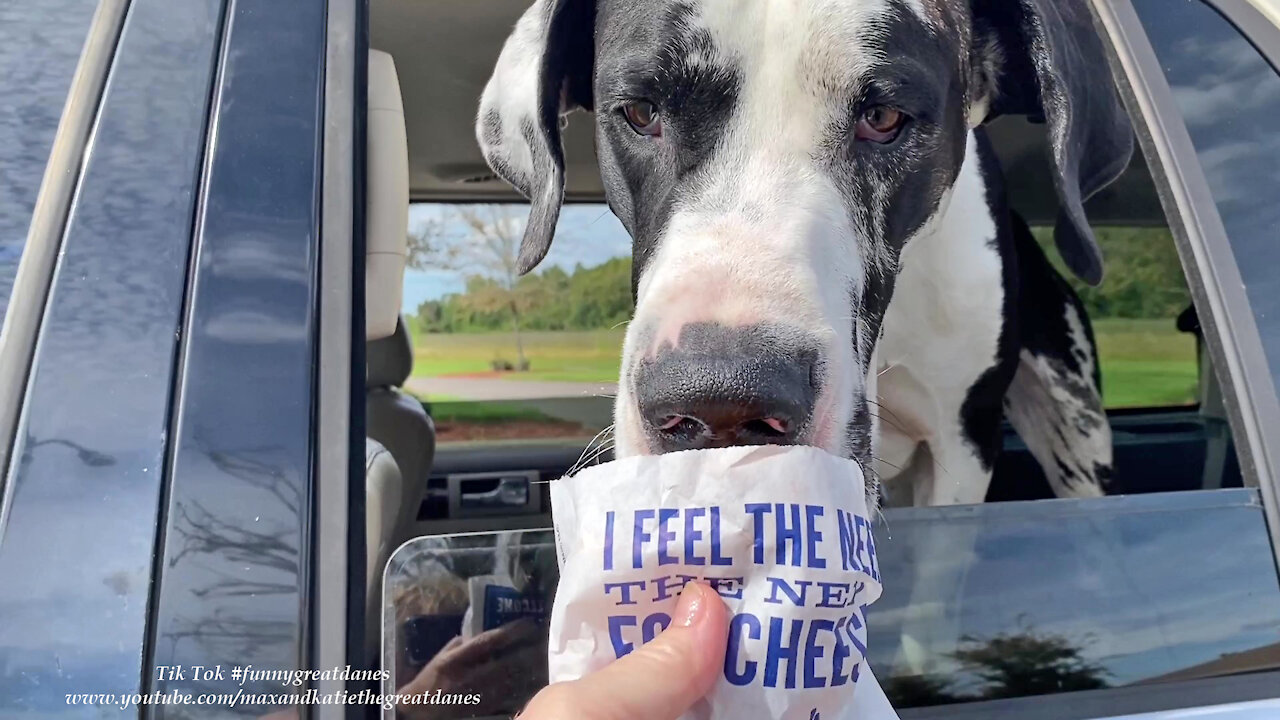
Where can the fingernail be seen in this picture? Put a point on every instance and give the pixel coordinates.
(692, 605)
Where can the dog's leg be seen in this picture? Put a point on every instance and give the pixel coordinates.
(1055, 400)
(950, 359)
(946, 471)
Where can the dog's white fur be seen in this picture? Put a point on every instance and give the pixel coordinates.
(796, 263)
(940, 336)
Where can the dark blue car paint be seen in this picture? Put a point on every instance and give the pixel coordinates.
(76, 554)
(233, 583)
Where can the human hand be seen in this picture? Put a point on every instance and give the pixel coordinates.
(502, 666)
(659, 680)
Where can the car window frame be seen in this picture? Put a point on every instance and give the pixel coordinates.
(1232, 339)
(338, 556)
(1231, 334)
(270, 75)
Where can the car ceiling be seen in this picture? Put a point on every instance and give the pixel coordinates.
(445, 49)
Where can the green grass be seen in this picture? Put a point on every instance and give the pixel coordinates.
(483, 412)
(1145, 363)
(588, 356)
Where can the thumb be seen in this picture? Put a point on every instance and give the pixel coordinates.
(660, 680)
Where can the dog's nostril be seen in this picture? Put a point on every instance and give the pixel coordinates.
(767, 427)
(672, 421)
(683, 427)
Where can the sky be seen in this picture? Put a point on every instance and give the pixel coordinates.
(588, 234)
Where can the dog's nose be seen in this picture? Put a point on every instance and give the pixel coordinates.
(721, 386)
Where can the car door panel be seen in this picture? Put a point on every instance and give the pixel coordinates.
(84, 490)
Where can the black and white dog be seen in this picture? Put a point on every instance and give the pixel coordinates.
(822, 249)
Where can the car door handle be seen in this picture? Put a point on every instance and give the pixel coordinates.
(507, 493)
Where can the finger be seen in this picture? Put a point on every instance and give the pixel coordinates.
(451, 645)
(660, 680)
(519, 667)
(484, 645)
(505, 687)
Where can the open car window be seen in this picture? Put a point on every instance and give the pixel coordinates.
(499, 357)
(1171, 580)
(1058, 596)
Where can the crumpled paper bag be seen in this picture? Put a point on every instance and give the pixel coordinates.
(782, 534)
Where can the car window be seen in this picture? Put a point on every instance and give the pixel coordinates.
(39, 47)
(1230, 100)
(502, 357)
(1146, 361)
(1023, 596)
(1059, 596)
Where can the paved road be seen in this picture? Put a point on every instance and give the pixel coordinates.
(499, 389)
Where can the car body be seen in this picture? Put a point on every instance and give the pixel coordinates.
(182, 366)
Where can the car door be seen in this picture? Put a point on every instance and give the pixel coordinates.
(94, 322)
(1184, 61)
(162, 374)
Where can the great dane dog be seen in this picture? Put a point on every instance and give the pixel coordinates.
(823, 253)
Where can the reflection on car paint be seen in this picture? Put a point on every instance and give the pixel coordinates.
(37, 61)
(76, 556)
(235, 582)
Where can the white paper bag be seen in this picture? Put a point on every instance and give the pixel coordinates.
(782, 534)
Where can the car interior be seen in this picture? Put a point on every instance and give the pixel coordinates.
(425, 77)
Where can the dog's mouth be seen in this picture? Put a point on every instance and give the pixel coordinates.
(681, 432)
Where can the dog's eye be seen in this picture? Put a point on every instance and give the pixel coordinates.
(880, 124)
(643, 117)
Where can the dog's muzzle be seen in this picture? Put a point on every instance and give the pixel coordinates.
(720, 386)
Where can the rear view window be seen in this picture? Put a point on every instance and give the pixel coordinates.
(1146, 361)
(499, 357)
(502, 357)
(1230, 100)
(40, 45)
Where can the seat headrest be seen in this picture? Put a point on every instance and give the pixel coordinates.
(387, 216)
(389, 360)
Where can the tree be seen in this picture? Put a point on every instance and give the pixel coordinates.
(912, 691)
(1027, 663)
(483, 243)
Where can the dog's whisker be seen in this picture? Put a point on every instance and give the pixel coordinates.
(886, 462)
(588, 449)
(882, 407)
(596, 455)
(894, 425)
(591, 457)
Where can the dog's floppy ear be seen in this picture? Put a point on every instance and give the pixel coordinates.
(543, 72)
(1050, 65)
